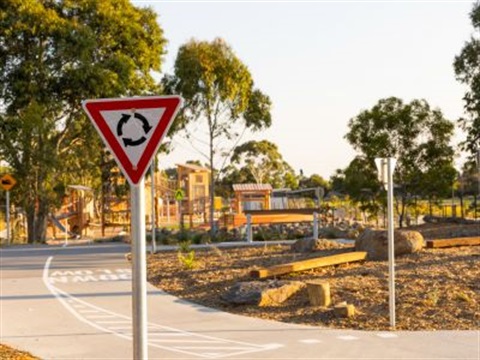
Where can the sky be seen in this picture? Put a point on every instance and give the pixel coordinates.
(322, 63)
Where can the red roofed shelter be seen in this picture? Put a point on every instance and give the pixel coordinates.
(252, 197)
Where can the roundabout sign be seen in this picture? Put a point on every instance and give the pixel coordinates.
(145, 125)
(133, 128)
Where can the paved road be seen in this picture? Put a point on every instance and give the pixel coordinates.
(75, 303)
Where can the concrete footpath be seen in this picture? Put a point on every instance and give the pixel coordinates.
(75, 303)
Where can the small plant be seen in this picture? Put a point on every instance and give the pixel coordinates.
(186, 255)
(220, 253)
(432, 298)
(460, 295)
(183, 235)
(187, 259)
(198, 238)
(184, 246)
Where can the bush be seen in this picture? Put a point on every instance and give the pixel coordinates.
(187, 260)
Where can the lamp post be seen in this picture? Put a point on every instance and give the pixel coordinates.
(385, 168)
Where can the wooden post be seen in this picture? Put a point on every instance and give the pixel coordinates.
(319, 293)
(344, 310)
(315, 225)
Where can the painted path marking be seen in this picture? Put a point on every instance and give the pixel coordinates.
(82, 276)
(160, 336)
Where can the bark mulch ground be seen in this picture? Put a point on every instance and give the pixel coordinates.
(436, 289)
(8, 353)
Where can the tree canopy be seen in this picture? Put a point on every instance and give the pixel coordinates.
(467, 71)
(263, 161)
(219, 92)
(53, 54)
(417, 136)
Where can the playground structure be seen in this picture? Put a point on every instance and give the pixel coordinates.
(266, 205)
(81, 216)
(74, 217)
(177, 201)
(194, 185)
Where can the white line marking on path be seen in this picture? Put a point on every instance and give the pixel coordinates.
(387, 336)
(225, 348)
(311, 341)
(347, 338)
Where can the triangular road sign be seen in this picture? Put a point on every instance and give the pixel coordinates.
(133, 128)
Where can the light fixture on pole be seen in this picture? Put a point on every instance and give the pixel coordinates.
(385, 167)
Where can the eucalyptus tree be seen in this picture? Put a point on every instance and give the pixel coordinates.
(314, 181)
(361, 184)
(218, 92)
(467, 71)
(417, 136)
(53, 54)
(263, 161)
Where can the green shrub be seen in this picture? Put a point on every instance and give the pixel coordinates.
(184, 246)
(198, 238)
(187, 260)
(183, 235)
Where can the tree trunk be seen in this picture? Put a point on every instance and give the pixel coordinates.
(475, 206)
(212, 192)
(401, 211)
(462, 213)
(41, 221)
(37, 217)
(30, 211)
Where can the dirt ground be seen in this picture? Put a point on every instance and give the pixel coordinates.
(436, 289)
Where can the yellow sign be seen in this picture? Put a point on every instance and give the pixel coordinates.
(179, 195)
(218, 203)
(7, 182)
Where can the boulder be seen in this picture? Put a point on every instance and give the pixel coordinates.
(310, 245)
(333, 232)
(375, 243)
(261, 293)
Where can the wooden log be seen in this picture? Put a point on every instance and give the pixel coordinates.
(319, 293)
(309, 264)
(442, 243)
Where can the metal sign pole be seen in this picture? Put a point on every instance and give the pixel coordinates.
(391, 245)
(152, 173)
(66, 232)
(139, 272)
(7, 217)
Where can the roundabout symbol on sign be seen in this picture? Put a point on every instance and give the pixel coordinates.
(145, 125)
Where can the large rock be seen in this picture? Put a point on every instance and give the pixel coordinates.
(310, 245)
(375, 243)
(261, 293)
(333, 232)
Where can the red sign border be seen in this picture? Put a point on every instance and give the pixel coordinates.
(93, 107)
